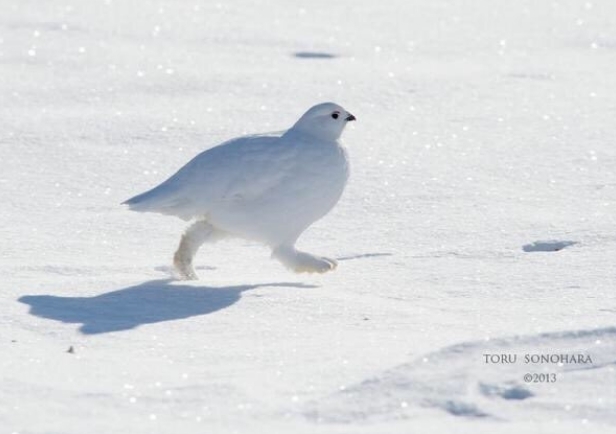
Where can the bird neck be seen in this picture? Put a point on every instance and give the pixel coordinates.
(313, 134)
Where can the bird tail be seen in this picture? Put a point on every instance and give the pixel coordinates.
(163, 199)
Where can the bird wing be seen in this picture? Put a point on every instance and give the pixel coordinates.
(241, 169)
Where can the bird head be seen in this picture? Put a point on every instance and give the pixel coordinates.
(324, 121)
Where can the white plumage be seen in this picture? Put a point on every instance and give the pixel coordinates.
(269, 188)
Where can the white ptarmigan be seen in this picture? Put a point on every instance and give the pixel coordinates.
(269, 188)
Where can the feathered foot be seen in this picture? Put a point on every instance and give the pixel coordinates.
(302, 262)
(197, 234)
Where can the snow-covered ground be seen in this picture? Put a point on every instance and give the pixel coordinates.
(480, 218)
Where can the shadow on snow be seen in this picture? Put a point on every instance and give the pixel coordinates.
(363, 255)
(313, 55)
(150, 302)
(548, 246)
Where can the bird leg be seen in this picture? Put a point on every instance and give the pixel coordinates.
(302, 262)
(197, 234)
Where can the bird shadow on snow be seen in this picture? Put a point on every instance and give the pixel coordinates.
(149, 302)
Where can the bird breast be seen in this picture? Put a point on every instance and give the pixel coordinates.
(278, 199)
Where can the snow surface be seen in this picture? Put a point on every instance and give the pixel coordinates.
(480, 217)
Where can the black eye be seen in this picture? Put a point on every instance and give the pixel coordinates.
(335, 115)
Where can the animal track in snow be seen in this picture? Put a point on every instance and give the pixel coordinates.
(548, 246)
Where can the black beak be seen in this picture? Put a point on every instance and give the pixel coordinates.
(350, 117)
